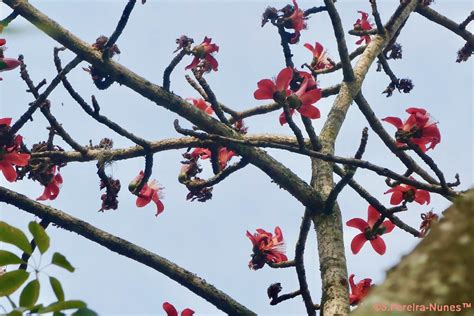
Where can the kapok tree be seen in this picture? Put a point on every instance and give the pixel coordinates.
(218, 135)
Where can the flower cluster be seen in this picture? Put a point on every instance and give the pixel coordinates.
(418, 129)
(267, 248)
(320, 60)
(371, 230)
(290, 17)
(150, 191)
(301, 100)
(407, 193)
(363, 24)
(11, 153)
(203, 56)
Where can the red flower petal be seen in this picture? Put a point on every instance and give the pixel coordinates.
(311, 96)
(422, 197)
(357, 243)
(6, 121)
(373, 216)
(358, 223)
(379, 245)
(282, 117)
(284, 78)
(141, 202)
(169, 309)
(310, 47)
(8, 171)
(397, 198)
(187, 312)
(395, 121)
(212, 61)
(389, 226)
(193, 64)
(309, 111)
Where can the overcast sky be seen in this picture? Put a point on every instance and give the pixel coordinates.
(209, 238)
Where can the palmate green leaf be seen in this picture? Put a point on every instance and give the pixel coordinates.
(39, 235)
(30, 294)
(6, 258)
(57, 288)
(14, 236)
(61, 306)
(61, 261)
(11, 281)
(84, 312)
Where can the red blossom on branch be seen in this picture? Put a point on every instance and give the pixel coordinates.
(320, 58)
(369, 232)
(151, 191)
(204, 51)
(171, 310)
(10, 155)
(419, 129)
(363, 24)
(6, 63)
(202, 105)
(277, 89)
(51, 190)
(266, 248)
(358, 291)
(303, 99)
(297, 21)
(405, 192)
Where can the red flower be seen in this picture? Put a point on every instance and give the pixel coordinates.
(51, 190)
(171, 311)
(224, 156)
(359, 291)
(151, 191)
(10, 155)
(363, 24)
(418, 128)
(320, 58)
(297, 21)
(303, 99)
(277, 89)
(7, 63)
(368, 233)
(405, 192)
(266, 248)
(204, 51)
(202, 105)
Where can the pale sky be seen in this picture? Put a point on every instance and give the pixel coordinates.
(209, 238)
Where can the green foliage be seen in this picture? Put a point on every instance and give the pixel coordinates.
(14, 236)
(61, 261)
(11, 281)
(6, 258)
(57, 288)
(30, 294)
(39, 236)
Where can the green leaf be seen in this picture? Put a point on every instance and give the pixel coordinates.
(39, 235)
(60, 306)
(15, 313)
(14, 236)
(57, 288)
(11, 281)
(6, 258)
(61, 261)
(30, 294)
(84, 312)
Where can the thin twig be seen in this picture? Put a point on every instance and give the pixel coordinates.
(119, 28)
